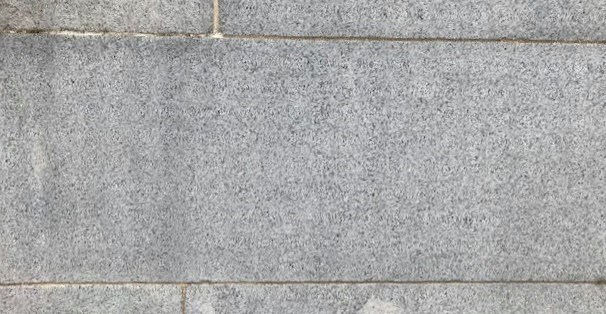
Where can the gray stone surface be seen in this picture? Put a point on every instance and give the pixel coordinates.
(100, 299)
(153, 16)
(544, 19)
(392, 299)
(186, 159)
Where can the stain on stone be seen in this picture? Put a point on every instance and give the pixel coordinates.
(207, 308)
(376, 306)
(39, 162)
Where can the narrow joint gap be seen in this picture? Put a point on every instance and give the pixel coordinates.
(185, 285)
(216, 27)
(183, 297)
(417, 39)
(217, 34)
(81, 33)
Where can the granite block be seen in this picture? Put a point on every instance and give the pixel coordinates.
(397, 298)
(173, 159)
(91, 299)
(544, 20)
(151, 16)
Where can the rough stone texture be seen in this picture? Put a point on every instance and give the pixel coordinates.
(544, 19)
(154, 16)
(391, 299)
(100, 299)
(184, 159)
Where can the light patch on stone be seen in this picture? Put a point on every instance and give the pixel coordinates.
(375, 306)
(39, 162)
(207, 308)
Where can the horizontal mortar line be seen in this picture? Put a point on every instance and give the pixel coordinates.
(304, 282)
(68, 32)
(418, 39)
(73, 32)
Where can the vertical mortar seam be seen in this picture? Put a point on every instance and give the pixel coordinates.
(216, 29)
(183, 297)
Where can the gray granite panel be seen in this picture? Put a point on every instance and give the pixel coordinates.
(392, 299)
(102, 299)
(544, 19)
(150, 16)
(193, 159)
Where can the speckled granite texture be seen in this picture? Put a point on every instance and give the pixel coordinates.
(149, 16)
(307, 157)
(129, 158)
(101, 299)
(544, 19)
(397, 299)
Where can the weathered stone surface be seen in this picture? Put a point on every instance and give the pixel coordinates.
(545, 19)
(153, 16)
(100, 299)
(184, 159)
(397, 298)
